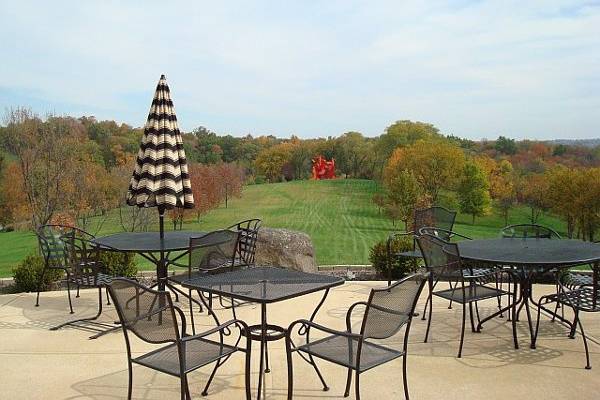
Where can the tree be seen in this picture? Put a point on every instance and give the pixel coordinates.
(402, 192)
(44, 151)
(533, 191)
(270, 161)
(502, 187)
(505, 145)
(436, 165)
(473, 191)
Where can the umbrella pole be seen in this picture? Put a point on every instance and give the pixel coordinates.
(162, 268)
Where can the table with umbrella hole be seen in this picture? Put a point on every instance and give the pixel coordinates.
(152, 247)
(265, 285)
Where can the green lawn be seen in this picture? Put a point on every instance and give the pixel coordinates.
(338, 215)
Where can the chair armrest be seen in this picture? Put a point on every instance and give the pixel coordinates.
(349, 313)
(325, 329)
(453, 234)
(241, 324)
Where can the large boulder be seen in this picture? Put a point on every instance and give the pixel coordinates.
(285, 248)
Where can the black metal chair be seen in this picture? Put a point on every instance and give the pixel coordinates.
(151, 316)
(443, 261)
(246, 251)
(447, 235)
(386, 312)
(211, 253)
(579, 299)
(71, 249)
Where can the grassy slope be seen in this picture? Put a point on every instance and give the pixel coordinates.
(338, 215)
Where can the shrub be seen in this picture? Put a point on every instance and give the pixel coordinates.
(27, 274)
(401, 266)
(119, 264)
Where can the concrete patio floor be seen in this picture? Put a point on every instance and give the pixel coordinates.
(42, 364)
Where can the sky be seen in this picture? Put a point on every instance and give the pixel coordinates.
(475, 69)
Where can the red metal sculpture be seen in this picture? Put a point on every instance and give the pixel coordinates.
(323, 169)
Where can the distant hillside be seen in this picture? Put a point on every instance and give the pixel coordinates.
(577, 142)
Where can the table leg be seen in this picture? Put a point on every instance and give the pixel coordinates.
(263, 344)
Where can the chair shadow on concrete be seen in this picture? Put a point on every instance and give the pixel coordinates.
(151, 385)
(54, 311)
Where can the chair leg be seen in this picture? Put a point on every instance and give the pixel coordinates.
(357, 386)
(348, 382)
(191, 312)
(184, 390)
(130, 380)
(107, 297)
(404, 377)
(462, 330)
(585, 345)
(69, 293)
(77, 295)
(471, 317)
(210, 378)
(39, 287)
(451, 288)
(499, 298)
(430, 287)
(290, 368)
(537, 324)
(429, 318)
(574, 326)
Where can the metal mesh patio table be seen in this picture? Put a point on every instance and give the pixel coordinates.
(265, 285)
(526, 258)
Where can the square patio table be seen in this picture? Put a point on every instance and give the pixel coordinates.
(264, 285)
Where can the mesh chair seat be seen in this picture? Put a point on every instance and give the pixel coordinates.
(583, 299)
(198, 352)
(97, 280)
(472, 293)
(579, 279)
(342, 350)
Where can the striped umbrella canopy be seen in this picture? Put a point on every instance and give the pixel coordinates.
(161, 178)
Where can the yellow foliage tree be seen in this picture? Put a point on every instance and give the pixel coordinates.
(436, 165)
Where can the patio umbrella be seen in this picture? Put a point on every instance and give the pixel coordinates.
(161, 178)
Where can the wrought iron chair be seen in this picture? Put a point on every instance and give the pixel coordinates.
(386, 312)
(447, 235)
(579, 299)
(442, 259)
(151, 316)
(71, 249)
(246, 251)
(211, 253)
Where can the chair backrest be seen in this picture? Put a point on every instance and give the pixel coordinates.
(248, 237)
(149, 314)
(534, 231)
(438, 217)
(53, 240)
(83, 257)
(390, 308)
(440, 256)
(213, 252)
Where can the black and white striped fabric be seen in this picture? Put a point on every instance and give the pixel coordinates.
(161, 178)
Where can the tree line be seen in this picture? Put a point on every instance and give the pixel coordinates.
(61, 166)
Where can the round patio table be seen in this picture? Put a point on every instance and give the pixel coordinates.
(148, 244)
(526, 258)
